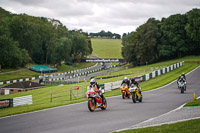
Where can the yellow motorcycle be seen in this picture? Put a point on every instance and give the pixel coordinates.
(136, 96)
(125, 91)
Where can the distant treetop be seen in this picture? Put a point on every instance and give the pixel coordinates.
(103, 34)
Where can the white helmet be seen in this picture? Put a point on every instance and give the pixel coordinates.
(92, 81)
(125, 78)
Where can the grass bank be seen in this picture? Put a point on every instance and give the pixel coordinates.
(41, 97)
(107, 48)
(193, 103)
(191, 126)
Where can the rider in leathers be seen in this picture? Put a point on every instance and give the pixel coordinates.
(94, 83)
(182, 79)
(126, 81)
(136, 84)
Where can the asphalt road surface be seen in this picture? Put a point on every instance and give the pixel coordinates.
(120, 113)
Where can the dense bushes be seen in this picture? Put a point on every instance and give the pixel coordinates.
(172, 37)
(42, 40)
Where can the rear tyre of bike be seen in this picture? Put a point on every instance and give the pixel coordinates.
(140, 99)
(104, 106)
(182, 90)
(133, 98)
(123, 95)
(91, 105)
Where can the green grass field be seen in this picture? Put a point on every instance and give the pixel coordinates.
(191, 126)
(41, 97)
(107, 48)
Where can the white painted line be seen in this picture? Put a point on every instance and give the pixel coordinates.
(171, 122)
(150, 119)
(42, 110)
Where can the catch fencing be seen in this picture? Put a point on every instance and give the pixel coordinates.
(75, 92)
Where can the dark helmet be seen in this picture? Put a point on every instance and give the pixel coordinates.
(92, 81)
(133, 79)
(182, 77)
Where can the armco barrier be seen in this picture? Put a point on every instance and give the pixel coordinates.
(22, 100)
(37, 77)
(4, 103)
(114, 85)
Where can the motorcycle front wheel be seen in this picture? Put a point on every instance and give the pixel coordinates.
(91, 105)
(104, 106)
(123, 95)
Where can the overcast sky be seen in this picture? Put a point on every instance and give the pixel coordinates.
(117, 16)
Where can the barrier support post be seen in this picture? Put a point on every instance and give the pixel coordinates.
(51, 97)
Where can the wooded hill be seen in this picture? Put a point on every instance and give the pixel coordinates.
(41, 40)
(172, 37)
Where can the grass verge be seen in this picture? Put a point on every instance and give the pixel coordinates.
(193, 103)
(191, 126)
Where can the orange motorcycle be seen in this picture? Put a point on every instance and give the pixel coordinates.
(95, 100)
(125, 91)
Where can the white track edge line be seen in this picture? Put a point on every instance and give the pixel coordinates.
(164, 123)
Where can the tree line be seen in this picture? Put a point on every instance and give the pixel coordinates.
(103, 34)
(172, 37)
(25, 39)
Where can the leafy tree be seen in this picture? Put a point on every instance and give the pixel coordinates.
(193, 29)
(11, 55)
(143, 41)
(62, 51)
(105, 34)
(174, 39)
(80, 46)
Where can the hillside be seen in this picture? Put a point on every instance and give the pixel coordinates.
(107, 48)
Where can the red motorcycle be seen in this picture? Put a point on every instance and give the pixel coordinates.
(94, 99)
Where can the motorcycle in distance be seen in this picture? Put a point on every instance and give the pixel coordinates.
(136, 96)
(182, 86)
(94, 98)
(125, 91)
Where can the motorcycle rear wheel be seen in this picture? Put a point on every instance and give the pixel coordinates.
(91, 105)
(133, 98)
(182, 90)
(140, 99)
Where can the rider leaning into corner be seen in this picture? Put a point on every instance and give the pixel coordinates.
(94, 83)
(136, 84)
(182, 78)
(126, 81)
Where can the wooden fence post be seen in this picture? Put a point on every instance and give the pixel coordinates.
(51, 97)
(70, 93)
